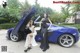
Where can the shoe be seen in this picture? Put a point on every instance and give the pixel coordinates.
(41, 47)
(45, 49)
(27, 49)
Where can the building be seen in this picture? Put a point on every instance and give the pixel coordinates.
(74, 19)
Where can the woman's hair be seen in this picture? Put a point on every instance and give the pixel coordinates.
(30, 23)
(45, 15)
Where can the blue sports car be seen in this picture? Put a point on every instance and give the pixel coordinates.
(64, 36)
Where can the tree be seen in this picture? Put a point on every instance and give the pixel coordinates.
(56, 17)
(24, 7)
(66, 11)
(76, 7)
(13, 10)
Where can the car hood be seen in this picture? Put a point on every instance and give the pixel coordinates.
(54, 27)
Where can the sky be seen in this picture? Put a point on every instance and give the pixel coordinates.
(48, 3)
(45, 3)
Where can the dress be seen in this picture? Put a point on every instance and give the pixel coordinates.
(44, 33)
(33, 42)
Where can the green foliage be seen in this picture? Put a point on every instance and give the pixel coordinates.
(4, 14)
(9, 13)
(56, 17)
(24, 7)
(3, 20)
(76, 7)
(7, 25)
(42, 10)
(72, 25)
(13, 11)
(66, 11)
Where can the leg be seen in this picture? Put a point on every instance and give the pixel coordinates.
(42, 41)
(34, 43)
(46, 40)
(28, 42)
(30, 39)
(46, 45)
(41, 46)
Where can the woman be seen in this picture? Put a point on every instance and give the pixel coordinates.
(44, 31)
(30, 39)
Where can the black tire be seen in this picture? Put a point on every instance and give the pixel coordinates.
(66, 40)
(15, 38)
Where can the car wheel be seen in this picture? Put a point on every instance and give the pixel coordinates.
(66, 40)
(14, 38)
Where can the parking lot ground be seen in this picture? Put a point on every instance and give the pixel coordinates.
(18, 47)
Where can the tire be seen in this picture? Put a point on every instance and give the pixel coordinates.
(66, 40)
(14, 38)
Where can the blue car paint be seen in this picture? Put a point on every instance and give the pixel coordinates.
(20, 27)
(57, 31)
